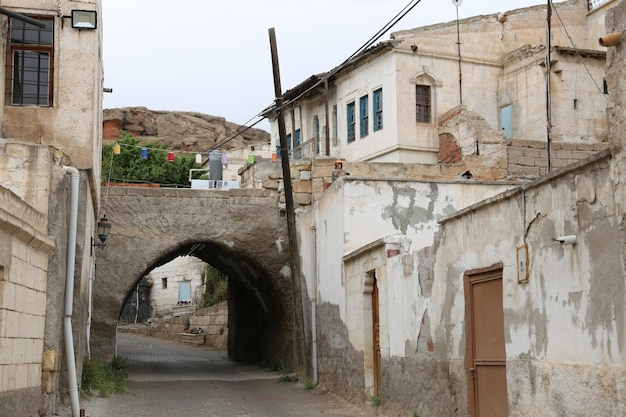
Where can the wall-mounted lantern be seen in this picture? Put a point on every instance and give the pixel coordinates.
(84, 19)
(103, 230)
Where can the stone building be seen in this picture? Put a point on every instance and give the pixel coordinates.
(394, 253)
(50, 117)
(420, 98)
(175, 285)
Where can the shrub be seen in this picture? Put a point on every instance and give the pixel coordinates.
(103, 378)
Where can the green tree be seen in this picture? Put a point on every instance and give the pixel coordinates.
(216, 286)
(130, 167)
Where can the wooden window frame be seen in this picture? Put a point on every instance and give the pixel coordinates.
(423, 103)
(26, 39)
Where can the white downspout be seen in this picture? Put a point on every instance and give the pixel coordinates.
(314, 307)
(90, 308)
(69, 289)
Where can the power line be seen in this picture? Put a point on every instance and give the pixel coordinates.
(576, 50)
(365, 46)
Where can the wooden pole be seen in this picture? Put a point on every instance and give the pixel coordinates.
(548, 93)
(298, 331)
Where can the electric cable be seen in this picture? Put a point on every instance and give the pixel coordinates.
(576, 50)
(365, 46)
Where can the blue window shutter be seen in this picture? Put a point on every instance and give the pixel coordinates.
(351, 122)
(378, 109)
(364, 113)
(506, 120)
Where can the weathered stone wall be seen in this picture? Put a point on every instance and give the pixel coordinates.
(564, 327)
(212, 320)
(529, 159)
(24, 250)
(239, 231)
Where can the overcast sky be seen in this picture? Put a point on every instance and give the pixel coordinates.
(214, 57)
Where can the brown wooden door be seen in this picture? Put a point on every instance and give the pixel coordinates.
(487, 392)
(376, 332)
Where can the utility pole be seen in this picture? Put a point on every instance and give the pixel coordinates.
(548, 94)
(298, 331)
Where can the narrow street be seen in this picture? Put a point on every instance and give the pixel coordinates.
(169, 379)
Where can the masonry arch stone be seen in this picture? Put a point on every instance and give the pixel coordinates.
(240, 232)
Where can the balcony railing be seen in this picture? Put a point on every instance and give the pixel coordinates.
(595, 4)
(308, 149)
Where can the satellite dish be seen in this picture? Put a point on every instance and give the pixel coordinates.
(457, 3)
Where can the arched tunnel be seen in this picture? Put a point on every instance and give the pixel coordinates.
(244, 237)
(255, 313)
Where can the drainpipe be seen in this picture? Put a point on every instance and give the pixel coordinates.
(314, 307)
(90, 308)
(69, 289)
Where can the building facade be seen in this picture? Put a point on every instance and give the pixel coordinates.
(400, 99)
(50, 117)
(431, 285)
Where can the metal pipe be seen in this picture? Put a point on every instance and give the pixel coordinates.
(314, 307)
(69, 289)
(21, 17)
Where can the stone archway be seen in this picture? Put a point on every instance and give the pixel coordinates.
(240, 232)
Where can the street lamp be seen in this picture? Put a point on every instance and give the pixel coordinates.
(103, 230)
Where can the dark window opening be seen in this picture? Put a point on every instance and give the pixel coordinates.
(30, 55)
(422, 103)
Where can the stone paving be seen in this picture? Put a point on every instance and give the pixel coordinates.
(170, 379)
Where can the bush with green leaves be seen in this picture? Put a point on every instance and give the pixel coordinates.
(103, 378)
(130, 167)
(216, 286)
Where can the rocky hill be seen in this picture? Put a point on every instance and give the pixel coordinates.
(185, 131)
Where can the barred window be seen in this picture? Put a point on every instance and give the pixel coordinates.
(29, 60)
(422, 103)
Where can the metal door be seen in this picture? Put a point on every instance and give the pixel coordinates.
(487, 392)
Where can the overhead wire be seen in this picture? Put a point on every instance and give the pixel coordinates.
(365, 46)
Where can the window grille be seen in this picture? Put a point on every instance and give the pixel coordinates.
(422, 103)
(30, 63)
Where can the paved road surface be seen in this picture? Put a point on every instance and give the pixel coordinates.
(169, 379)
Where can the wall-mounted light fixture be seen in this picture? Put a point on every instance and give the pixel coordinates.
(103, 230)
(84, 19)
(567, 240)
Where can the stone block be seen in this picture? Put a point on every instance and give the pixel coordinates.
(21, 376)
(302, 187)
(50, 360)
(512, 150)
(305, 175)
(526, 161)
(302, 198)
(6, 351)
(7, 377)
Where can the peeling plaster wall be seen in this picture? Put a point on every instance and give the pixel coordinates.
(565, 328)
(349, 218)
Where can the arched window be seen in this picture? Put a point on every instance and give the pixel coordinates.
(425, 86)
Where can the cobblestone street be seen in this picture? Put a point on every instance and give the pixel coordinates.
(169, 379)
